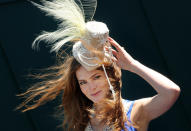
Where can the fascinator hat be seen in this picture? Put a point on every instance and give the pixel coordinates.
(76, 25)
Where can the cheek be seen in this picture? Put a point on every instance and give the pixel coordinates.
(104, 81)
(84, 91)
(103, 84)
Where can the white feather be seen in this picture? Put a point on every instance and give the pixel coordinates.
(71, 27)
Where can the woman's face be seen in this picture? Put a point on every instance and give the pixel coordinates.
(93, 84)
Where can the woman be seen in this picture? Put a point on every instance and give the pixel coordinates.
(90, 80)
(83, 88)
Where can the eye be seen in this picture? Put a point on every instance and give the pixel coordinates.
(82, 83)
(97, 77)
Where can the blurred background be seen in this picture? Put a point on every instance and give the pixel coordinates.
(156, 33)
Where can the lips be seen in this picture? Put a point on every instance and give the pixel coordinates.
(95, 94)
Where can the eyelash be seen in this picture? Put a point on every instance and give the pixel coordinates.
(95, 78)
(81, 83)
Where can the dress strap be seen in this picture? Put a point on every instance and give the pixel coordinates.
(129, 127)
(129, 111)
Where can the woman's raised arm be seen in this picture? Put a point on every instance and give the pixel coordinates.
(167, 91)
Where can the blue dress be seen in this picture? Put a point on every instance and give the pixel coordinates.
(130, 128)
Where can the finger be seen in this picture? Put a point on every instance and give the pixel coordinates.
(108, 48)
(114, 59)
(114, 52)
(115, 44)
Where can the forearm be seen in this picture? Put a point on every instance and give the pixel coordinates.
(160, 83)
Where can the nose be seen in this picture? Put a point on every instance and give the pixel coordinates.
(92, 85)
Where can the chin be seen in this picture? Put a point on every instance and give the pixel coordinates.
(97, 100)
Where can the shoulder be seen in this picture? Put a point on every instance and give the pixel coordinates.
(134, 106)
(127, 103)
(128, 106)
(138, 114)
(135, 112)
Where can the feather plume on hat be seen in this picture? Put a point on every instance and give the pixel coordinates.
(72, 21)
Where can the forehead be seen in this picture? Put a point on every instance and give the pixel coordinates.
(83, 74)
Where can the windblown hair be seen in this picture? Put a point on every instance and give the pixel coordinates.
(75, 106)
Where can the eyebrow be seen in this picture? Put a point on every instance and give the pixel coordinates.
(90, 76)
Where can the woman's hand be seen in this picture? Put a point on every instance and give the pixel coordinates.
(121, 57)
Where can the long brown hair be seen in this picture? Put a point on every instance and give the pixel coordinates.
(61, 79)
